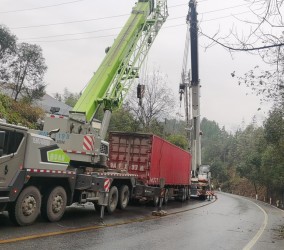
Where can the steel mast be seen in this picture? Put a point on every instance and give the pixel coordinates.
(190, 87)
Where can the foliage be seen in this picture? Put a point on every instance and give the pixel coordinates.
(7, 51)
(268, 85)
(253, 155)
(68, 97)
(123, 120)
(19, 112)
(216, 149)
(27, 72)
(22, 68)
(178, 140)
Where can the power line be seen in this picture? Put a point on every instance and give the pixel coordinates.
(71, 34)
(224, 8)
(94, 31)
(74, 39)
(78, 21)
(102, 18)
(42, 7)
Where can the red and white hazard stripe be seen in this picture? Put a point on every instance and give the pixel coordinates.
(48, 171)
(78, 152)
(106, 185)
(118, 174)
(88, 143)
(209, 193)
(58, 116)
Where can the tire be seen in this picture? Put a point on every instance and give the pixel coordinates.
(202, 197)
(187, 194)
(183, 195)
(112, 200)
(54, 204)
(166, 197)
(123, 197)
(156, 200)
(25, 210)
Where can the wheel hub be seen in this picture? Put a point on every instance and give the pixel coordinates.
(57, 204)
(28, 205)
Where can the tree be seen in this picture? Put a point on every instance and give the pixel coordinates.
(260, 35)
(216, 150)
(123, 120)
(157, 104)
(67, 97)
(27, 72)
(178, 140)
(7, 51)
(273, 158)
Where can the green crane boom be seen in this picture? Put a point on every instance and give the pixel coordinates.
(120, 66)
(78, 135)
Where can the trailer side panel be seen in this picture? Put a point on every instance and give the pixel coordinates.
(150, 157)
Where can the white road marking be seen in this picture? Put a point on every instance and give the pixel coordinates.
(260, 231)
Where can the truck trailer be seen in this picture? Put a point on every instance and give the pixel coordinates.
(152, 159)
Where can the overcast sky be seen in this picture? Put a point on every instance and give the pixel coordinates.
(74, 34)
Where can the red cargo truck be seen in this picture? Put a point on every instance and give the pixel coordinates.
(152, 159)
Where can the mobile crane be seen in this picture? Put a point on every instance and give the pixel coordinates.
(45, 171)
(189, 88)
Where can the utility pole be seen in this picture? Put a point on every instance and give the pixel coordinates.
(195, 87)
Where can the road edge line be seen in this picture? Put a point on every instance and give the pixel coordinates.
(260, 231)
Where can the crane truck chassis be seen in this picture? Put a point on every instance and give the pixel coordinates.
(42, 172)
(35, 177)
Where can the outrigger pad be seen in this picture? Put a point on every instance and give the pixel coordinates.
(159, 213)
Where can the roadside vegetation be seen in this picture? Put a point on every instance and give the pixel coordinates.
(19, 112)
(250, 161)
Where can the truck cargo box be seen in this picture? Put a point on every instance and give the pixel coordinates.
(150, 157)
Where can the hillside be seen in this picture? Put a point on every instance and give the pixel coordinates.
(19, 112)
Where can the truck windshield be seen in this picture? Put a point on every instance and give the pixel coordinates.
(12, 141)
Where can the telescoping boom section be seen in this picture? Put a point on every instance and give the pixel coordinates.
(120, 66)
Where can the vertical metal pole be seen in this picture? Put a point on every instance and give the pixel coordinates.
(195, 85)
(102, 212)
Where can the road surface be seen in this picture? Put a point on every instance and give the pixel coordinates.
(231, 222)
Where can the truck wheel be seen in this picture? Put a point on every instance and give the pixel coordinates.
(187, 194)
(112, 199)
(184, 195)
(54, 204)
(166, 196)
(156, 200)
(25, 210)
(123, 197)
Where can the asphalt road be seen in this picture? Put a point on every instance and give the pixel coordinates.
(231, 222)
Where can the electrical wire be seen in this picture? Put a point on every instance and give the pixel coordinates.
(109, 17)
(114, 35)
(71, 34)
(94, 31)
(78, 21)
(75, 39)
(42, 7)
